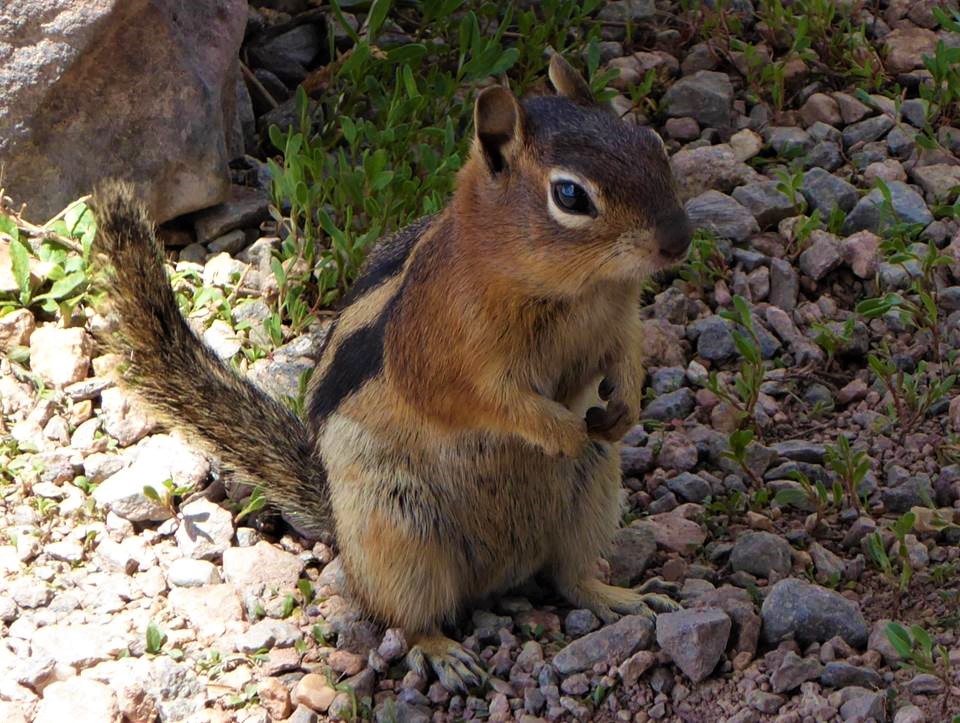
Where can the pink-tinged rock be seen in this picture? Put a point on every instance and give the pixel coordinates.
(905, 48)
(60, 356)
(860, 252)
(262, 564)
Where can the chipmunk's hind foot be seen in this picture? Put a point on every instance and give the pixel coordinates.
(609, 602)
(457, 669)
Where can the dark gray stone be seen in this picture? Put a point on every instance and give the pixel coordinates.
(784, 284)
(871, 129)
(825, 155)
(811, 613)
(667, 379)
(761, 554)
(706, 95)
(908, 205)
(675, 405)
(768, 205)
(823, 191)
(800, 450)
(715, 339)
(788, 140)
(580, 622)
(794, 671)
(840, 675)
(689, 487)
(630, 554)
(721, 214)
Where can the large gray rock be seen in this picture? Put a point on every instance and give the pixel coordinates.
(141, 89)
(810, 613)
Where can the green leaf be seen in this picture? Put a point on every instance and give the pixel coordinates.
(150, 493)
(406, 53)
(65, 286)
(155, 638)
(900, 639)
(9, 227)
(790, 496)
(378, 14)
(506, 60)
(20, 263)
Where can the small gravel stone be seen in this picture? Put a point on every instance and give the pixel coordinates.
(722, 215)
(694, 639)
(871, 129)
(16, 328)
(765, 702)
(767, 204)
(823, 191)
(60, 356)
(811, 614)
(192, 573)
(78, 700)
(580, 622)
(675, 405)
(841, 675)
(262, 564)
(706, 96)
(822, 256)
(205, 531)
(689, 487)
(907, 204)
(631, 553)
(761, 554)
(794, 671)
(609, 645)
(784, 284)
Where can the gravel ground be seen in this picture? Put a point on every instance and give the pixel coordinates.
(116, 604)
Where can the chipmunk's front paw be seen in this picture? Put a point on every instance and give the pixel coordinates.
(457, 669)
(620, 414)
(609, 424)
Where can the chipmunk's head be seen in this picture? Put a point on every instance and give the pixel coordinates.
(588, 196)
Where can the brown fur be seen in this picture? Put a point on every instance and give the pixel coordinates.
(446, 405)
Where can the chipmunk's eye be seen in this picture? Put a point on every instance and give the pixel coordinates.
(571, 197)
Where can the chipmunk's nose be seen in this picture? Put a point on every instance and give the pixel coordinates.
(673, 234)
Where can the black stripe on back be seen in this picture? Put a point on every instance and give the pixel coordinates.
(357, 359)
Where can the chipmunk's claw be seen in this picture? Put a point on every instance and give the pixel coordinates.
(457, 669)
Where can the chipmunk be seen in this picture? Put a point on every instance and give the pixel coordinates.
(442, 444)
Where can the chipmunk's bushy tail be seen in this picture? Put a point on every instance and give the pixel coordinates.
(183, 381)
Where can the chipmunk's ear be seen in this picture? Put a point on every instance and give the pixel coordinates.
(568, 82)
(498, 118)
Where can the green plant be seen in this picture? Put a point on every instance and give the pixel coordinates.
(739, 443)
(789, 184)
(705, 264)
(899, 583)
(746, 385)
(831, 339)
(918, 651)
(155, 638)
(911, 394)
(169, 496)
(850, 467)
(61, 248)
(255, 502)
(814, 494)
